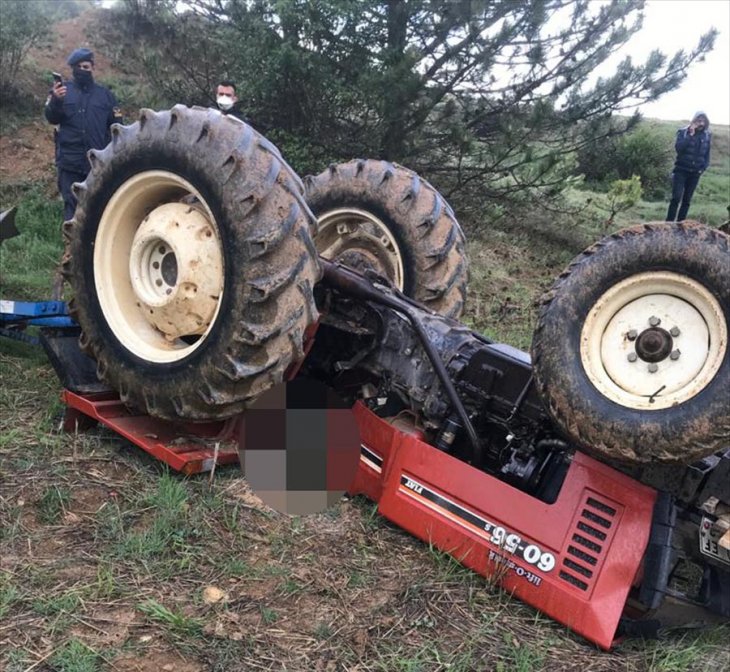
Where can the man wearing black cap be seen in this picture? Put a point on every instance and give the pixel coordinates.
(84, 112)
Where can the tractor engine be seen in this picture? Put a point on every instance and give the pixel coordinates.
(465, 395)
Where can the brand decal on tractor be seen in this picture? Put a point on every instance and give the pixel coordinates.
(507, 541)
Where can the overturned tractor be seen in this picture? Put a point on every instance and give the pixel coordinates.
(204, 272)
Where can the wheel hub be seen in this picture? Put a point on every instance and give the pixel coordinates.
(176, 270)
(159, 266)
(361, 261)
(361, 240)
(654, 340)
(654, 344)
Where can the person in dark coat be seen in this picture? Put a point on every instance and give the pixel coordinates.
(84, 112)
(693, 157)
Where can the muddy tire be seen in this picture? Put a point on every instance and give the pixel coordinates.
(191, 264)
(631, 351)
(375, 215)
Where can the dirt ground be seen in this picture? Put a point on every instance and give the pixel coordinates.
(69, 35)
(27, 155)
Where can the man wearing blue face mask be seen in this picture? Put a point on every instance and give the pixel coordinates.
(84, 112)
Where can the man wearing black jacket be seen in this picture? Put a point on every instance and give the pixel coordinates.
(83, 112)
(693, 156)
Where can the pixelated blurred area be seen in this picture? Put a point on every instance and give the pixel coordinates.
(299, 447)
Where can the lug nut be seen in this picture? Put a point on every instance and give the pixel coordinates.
(674, 331)
(632, 357)
(674, 355)
(654, 321)
(653, 368)
(632, 335)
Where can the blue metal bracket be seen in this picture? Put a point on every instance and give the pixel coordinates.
(36, 313)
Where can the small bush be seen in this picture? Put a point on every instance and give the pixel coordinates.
(645, 152)
(21, 28)
(622, 196)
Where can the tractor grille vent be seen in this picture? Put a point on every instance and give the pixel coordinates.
(591, 534)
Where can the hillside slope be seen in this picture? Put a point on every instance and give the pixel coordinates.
(26, 148)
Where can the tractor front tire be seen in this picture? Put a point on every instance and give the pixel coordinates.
(631, 353)
(378, 216)
(191, 264)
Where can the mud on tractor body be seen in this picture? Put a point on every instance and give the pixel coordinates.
(201, 266)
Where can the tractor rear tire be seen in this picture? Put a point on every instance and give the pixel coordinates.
(378, 216)
(191, 263)
(631, 353)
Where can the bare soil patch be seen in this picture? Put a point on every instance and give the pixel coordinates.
(27, 155)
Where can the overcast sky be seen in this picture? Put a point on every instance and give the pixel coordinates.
(670, 25)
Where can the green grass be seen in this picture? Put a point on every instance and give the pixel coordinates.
(701, 651)
(167, 533)
(28, 261)
(268, 615)
(51, 605)
(174, 621)
(110, 524)
(76, 656)
(105, 586)
(17, 660)
(234, 567)
(507, 273)
(323, 631)
(53, 504)
(9, 594)
(364, 593)
(520, 656)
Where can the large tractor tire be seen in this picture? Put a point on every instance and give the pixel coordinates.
(378, 216)
(631, 351)
(191, 264)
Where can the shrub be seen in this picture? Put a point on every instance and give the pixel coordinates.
(623, 195)
(20, 28)
(644, 152)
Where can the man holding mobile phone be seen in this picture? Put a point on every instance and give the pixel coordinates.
(83, 112)
(692, 145)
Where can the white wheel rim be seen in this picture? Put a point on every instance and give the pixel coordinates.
(360, 239)
(158, 266)
(653, 340)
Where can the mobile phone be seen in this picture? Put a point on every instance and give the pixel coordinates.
(57, 78)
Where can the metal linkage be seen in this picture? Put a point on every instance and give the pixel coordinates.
(353, 284)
